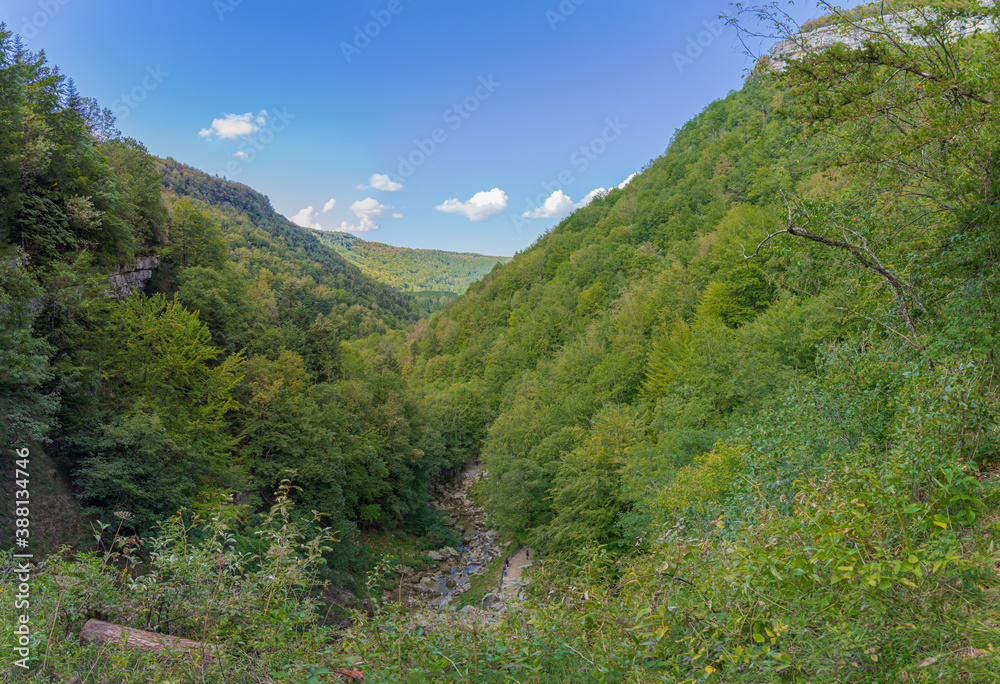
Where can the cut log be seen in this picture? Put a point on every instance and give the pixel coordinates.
(139, 640)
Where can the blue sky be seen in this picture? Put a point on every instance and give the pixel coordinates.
(466, 126)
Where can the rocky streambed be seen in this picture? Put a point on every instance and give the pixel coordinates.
(436, 589)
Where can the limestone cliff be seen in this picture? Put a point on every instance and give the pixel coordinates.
(856, 33)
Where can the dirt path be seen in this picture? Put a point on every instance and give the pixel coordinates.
(518, 562)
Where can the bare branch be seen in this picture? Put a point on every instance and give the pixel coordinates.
(864, 255)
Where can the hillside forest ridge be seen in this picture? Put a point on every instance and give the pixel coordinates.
(738, 420)
(412, 270)
(431, 278)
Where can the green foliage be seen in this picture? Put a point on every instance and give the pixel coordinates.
(27, 409)
(196, 240)
(254, 609)
(171, 400)
(587, 487)
(59, 194)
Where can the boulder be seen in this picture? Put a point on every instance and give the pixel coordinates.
(491, 600)
(435, 556)
(439, 603)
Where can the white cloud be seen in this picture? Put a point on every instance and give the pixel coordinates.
(242, 155)
(232, 126)
(329, 205)
(397, 216)
(307, 218)
(380, 181)
(481, 207)
(621, 186)
(369, 207)
(558, 205)
(367, 210)
(596, 192)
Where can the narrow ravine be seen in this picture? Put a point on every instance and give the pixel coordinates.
(436, 590)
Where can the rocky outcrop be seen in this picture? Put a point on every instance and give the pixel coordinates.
(130, 278)
(122, 281)
(435, 589)
(901, 26)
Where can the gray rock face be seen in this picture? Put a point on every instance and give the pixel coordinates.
(902, 26)
(131, 278)
(435, 556)
(491, 600)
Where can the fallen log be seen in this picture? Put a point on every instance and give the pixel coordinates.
(139, 640)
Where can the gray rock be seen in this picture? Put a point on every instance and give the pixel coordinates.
(439, 603)
(130, 278)
(491, 600)
(435, 556)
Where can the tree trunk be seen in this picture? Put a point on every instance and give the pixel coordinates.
(139, 640)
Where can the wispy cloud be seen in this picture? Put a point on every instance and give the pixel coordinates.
(380, 181)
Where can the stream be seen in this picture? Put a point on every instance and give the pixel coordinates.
(435, 589)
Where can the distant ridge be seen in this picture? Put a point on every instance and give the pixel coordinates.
(412, 270)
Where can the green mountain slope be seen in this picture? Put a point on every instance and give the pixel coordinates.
(257, 237)
(412, 270)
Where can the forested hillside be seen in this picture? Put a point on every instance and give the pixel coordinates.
(231, 372)
(412, 270)
(745, 409)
